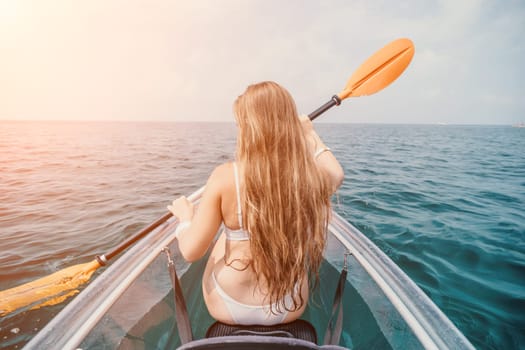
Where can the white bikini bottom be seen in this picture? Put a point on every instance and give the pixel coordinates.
(245, 314)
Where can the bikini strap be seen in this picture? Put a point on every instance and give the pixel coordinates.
(237, 189)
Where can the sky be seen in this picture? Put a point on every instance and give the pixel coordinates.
(125, 60)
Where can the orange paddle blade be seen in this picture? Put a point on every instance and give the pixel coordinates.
(48, 290)
(380, 69)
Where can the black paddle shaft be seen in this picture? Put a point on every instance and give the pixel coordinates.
(102, 259)
(335, 101)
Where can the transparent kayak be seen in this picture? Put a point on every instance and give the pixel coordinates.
(131, 304)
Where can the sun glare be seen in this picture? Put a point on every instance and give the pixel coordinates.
(8, 11)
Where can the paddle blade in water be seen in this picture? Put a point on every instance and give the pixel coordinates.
(380, 69)
(48, 290)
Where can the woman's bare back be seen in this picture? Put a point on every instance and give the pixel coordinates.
(230, 262)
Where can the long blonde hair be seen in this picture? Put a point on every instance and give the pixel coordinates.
(285, 198)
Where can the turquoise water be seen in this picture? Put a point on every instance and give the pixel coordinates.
(444, 202)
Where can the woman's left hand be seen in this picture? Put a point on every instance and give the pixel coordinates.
(182, 209)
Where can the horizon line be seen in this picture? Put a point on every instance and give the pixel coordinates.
(233, 122)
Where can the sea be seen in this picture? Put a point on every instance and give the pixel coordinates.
(444, 202)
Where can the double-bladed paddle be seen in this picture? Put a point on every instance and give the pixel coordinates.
(376, 73)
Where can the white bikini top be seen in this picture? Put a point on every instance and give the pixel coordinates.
(239, 234)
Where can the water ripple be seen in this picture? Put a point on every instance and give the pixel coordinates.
(445, 203)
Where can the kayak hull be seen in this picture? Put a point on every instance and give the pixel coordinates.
(131, 304)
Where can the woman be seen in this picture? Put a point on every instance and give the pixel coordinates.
(274, 202)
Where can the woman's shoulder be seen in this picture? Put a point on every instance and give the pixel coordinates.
(221, 176)
(223, 170)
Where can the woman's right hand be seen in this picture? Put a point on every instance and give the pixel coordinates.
(307, 124)
(326, 160)
(314, 141)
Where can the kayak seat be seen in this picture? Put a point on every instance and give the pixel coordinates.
(254, 343)
(298, 329)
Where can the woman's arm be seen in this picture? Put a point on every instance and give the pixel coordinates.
(324, 158)
(195, 239)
